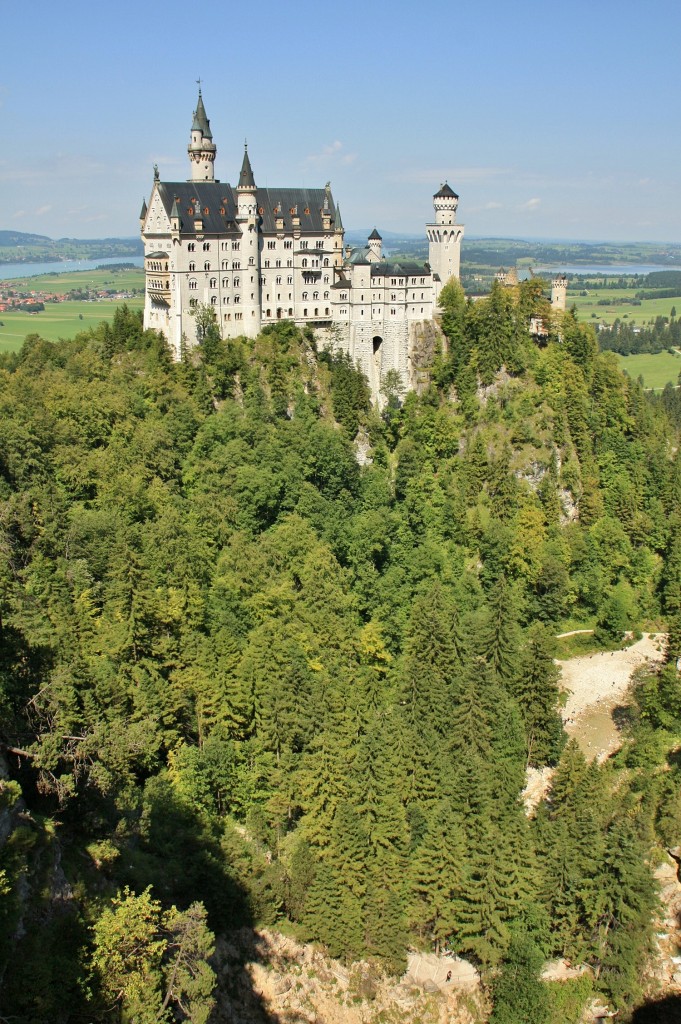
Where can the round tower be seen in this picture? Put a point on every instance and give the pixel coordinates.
(376, 244)
(444, 238)
(248, 219)
(445, 203)
(559, 287)
(201, 148)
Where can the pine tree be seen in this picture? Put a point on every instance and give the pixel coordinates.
(436, 876)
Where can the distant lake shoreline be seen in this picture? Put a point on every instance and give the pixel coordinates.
(11, 271)
(608, 269)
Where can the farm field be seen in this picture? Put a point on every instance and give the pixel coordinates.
(656, 370)
(59, 320)
(587, 306)
(121, 280)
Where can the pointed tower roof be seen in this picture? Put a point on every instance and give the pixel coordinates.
(375, 235)
(445, 192)
(175, 212)
(143, 211)
(339, 222)
(246, 179)
(200, 121)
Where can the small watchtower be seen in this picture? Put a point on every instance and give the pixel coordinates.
(559, 287)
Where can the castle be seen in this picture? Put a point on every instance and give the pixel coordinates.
(257, 255)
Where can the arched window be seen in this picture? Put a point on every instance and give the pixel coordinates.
(278, 280)
(213, 282)
(225, 282)
(326, 295)
(326, 263)
(192, 286)
(213, 300)
(315, 295)
(305, 298)
(206, 265)
(304, 263)
(236, 265)
(206, 246)
(192, 267)
(316, 312)
(236, 282)
(304, 312)
(191, 247)
(225, 265)
(192, 303)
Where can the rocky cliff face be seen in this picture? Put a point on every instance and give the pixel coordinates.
(265, 976)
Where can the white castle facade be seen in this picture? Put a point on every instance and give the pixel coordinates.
(257, 255)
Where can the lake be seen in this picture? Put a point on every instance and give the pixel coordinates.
(8, 271)
(609, 269)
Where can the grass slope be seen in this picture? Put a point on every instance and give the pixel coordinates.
(59, 320)
(656, 370)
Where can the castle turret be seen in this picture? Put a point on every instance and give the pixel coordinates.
(444, 238)
(247, 219)
(143, 214)
(559, 287)
(201, 147)
(338, 234)
(375, 245)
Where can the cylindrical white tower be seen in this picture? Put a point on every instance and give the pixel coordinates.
(201, 147)
(248, 220)
(444, 238)
(376, 244)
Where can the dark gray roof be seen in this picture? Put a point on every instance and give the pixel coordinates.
(200, 120)
(406, 269)
(339, 222)
(374, 234)
(216, 203)
(246, 176)
(143, 211)
(358, 257)
(445, 193)
(157, 256)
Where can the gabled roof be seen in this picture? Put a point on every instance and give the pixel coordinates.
(406, 269)
(208, 200)
(375, 235)
(445, 192)
(358, 257)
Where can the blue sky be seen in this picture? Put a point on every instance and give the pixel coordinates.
(554, 120)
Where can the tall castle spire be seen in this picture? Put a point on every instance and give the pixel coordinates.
(201, 147)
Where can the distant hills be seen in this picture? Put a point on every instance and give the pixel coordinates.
(24, 247)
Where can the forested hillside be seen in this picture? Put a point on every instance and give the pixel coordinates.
(248, 678)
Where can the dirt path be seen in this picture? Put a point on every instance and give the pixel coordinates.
(597, 684)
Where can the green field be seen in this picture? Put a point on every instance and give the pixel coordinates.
(121, 280)
(656, 370)
(59, 320)
(587, 306)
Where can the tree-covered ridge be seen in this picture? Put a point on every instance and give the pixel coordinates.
(243, 670)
